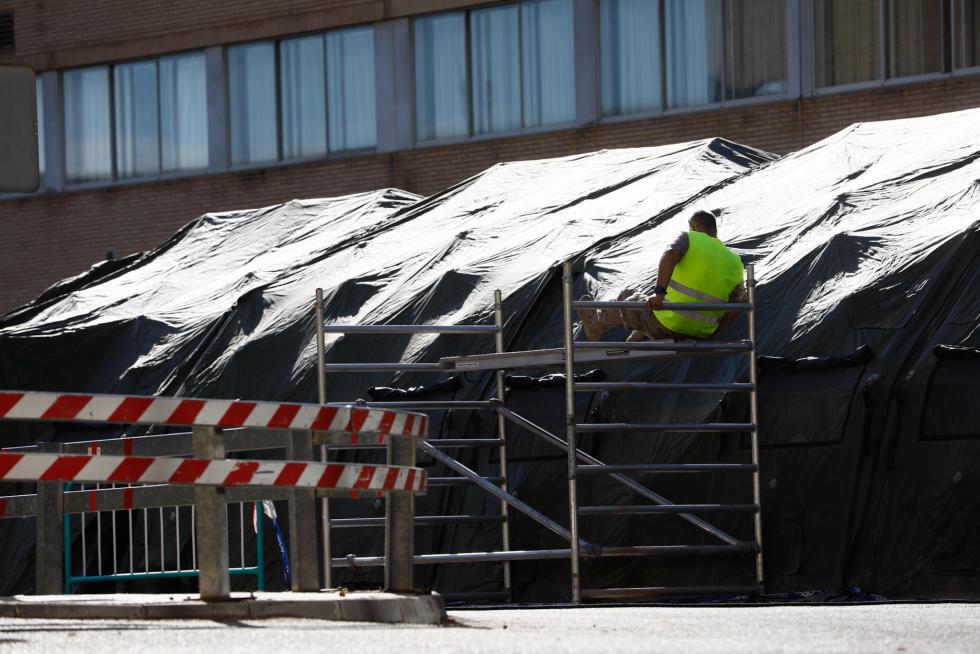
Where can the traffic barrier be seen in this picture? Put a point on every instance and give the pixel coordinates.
(193, 412)
(210, 472)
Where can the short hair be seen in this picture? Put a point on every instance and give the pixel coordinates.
(704, 220)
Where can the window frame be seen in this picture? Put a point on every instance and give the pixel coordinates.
(280, 159)
(948, 45)
(727, 61)
(115, 179)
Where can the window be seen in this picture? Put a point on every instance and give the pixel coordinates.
(304, 109)
(325, 86)
(440, 76)
(630, 56)
(548, 62)
(714, 50)
(966, 33)
(137, 125)
(494, 69)
(88, 136)
(694, 52)
(183, 112)
(915, 37)
(756, 40)
(252, 103)
(350, 89)
(847, 41)
(871, 40)
(39, 85)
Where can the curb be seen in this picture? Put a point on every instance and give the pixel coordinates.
(326, 605)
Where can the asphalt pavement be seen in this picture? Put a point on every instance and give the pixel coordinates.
(946, 628)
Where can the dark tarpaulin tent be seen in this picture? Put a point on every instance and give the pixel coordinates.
(866, 247)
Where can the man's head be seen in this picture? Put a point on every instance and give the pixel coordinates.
(704, 222)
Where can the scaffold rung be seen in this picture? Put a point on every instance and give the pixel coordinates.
(667, 468)
(660, 386)
(654, 509)
(658, 426)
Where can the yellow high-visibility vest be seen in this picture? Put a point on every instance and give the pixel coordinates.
(708, 272)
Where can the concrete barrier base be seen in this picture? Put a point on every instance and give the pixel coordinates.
(362, 606)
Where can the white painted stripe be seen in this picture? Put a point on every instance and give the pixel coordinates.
(99, 468)
(212, 412)
(160, 470)
(305, 416)
(310, 476)
(349, 477)
(267, 471)
(32, 466)
(261, 414)
(32, 405)
(373, 421)
(216, 472)
(160, 410)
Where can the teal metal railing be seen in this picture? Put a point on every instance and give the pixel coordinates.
(72, 580)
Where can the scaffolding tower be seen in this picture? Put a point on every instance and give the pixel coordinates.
(579, 462)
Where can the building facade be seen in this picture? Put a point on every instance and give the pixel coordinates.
(152, 113)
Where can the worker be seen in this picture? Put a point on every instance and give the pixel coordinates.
(696, 267)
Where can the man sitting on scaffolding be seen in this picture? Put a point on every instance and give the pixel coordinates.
(696, 267)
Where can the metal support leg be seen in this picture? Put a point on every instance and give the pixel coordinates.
(400, 523)
(498, 316)
(570, 430)
(211, 521)
(754, 417)
(321, 379)
(302, 521)
(50, 532)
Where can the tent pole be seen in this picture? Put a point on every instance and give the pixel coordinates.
(498, 322)
(754, 419)
(321, 378)
(570, 431)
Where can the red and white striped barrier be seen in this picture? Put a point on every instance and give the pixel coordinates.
(352, 477)
(131, 409)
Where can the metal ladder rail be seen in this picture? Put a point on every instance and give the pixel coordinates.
(573, 428)
(501, 441)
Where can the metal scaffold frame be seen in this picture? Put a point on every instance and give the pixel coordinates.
(579, 462)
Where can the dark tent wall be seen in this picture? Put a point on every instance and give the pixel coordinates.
(866, 246)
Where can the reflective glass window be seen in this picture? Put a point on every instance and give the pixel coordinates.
(183, 112)
(440, 76)
(547, 62)
(136, 122)
(351, 109)
(629, 38)
(756, 46)
(846, 41)
(495, 69)
(915, 37)
(302, 83)
(252, 102)
(694, 44)
(88, 140)
(966, 33)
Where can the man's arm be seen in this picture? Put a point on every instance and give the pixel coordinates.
(668, 261)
